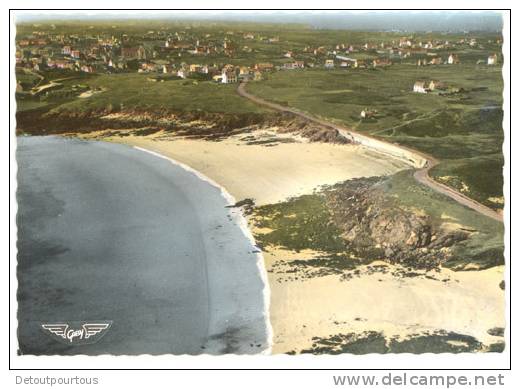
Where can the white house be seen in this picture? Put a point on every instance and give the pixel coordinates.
(420, 87)
(492, 59)
(453, 59)
(183, 73)
(329, 63)
(229, 77)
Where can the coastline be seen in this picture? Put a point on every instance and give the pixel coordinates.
(242, 223)
(237, 165)
(184, 280)
(266, 174)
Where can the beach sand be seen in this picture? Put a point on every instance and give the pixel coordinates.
(269, 174)
(468, 303)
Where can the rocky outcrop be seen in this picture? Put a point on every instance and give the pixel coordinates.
(197, 124)
(377, 225)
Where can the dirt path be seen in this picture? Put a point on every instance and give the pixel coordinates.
(421, 161)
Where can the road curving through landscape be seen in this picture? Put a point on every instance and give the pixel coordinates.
(420, 161)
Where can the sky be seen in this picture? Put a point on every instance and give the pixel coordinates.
(352, 20)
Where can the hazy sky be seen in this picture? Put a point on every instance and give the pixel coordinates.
(355, 20)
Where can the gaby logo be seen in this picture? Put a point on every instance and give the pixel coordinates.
(77, 333)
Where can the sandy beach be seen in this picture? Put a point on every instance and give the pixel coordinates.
(468, 303)
(379, 300)
(269, 174)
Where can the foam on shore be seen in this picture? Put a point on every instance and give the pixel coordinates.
(242, 223)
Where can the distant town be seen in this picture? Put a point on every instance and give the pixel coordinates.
(179, 54)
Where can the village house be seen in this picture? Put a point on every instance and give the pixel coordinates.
(434, 84)
(148, 67)
(367, 114)
(347, 62)
(329, 63)
(244, 70)
(294, 65)
(257, 75)
(87, 68)
(420, 87)
(436, 61)
(264, 67)
(167, 68)
(196, 68)
(229, 77)
(360, 64)
(133, 52)
(381, 62)
(492, 59)
(453, 59)
(183, 73)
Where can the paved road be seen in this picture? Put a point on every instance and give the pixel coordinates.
(108, 232)
(425, 161)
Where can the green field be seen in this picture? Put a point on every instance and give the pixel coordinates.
(130, 91)
(463, 130)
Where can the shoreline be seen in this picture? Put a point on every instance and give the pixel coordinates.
(243, 225)
(421, 161)
(228, 160)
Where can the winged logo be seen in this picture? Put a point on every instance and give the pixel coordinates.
(57, 329)
(92, 329)
(77, 333)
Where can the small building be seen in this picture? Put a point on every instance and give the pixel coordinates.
(195, 68)
(492, 59)
(294, 65)
(381, 62)
(229, 77)
(133, 52)
(436, 61)
(264, 67)
(420, 87)
(167, 68)
(434, 84)
(329, 63)
(453, 59)
(183, 73)
(367, 114)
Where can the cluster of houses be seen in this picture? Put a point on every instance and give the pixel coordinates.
(453, 59)
(161, 52)
(423, 86)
